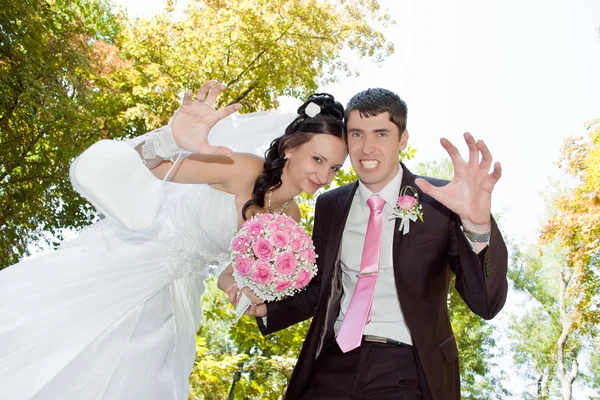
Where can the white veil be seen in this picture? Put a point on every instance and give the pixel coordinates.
(245, 133)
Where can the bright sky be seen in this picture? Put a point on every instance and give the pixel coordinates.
(522, 75)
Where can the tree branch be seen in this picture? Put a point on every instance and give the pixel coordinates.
(244, 93)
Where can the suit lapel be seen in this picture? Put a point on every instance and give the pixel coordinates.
(338, 221)
(408, 179)
(331, 286)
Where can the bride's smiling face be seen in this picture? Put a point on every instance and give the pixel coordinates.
(314, 164)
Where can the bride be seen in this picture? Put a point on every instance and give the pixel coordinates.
(113, 313)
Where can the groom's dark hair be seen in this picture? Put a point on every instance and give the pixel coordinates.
(374, 101)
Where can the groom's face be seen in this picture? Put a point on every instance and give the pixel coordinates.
(374, 144)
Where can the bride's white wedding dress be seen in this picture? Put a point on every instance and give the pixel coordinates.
(113, 313)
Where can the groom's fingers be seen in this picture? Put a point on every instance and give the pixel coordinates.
(452, 151)
(473, 151)
(496, 173)
(425, 186)
(253, 297)
(257, 311)
(486, 156)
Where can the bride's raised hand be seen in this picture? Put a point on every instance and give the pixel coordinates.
(195, 118)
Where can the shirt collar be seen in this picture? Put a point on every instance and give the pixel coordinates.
(389, 192)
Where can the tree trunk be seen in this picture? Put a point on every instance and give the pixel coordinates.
(566, 379)
(236, 377)
(540, 388)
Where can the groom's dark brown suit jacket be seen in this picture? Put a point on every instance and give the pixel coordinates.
(424, 260)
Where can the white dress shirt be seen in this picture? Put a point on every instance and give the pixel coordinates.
(387, 319)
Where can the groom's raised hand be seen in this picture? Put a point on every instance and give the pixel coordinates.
(469, 194)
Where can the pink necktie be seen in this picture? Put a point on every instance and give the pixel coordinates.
(359, 309)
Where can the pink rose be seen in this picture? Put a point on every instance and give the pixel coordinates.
(280, 239)
(309, 255)
(286, 264)
(406, 202)
(254, 228)
(282, 285)
(302, 280)
(274, 226)
(296, 244)
(263, 217)
(243, 265)
(287, 229)
(241, 243)
(263, 249)
(263, 272)
(303, 234)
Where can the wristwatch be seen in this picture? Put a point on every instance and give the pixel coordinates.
(477, 237)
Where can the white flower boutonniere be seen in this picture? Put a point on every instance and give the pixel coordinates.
(407, 208)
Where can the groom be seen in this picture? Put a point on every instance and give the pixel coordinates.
(381, 328)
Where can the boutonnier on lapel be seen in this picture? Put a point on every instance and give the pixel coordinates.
(407, 208)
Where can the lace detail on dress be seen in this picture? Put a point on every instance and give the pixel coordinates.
(196, 231)
(183, 261)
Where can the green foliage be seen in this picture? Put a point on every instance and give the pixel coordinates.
(51, 107)
(561, 277)
(576, 224)
(74, 72)
(441, 169)
(235, 359)
(548, 335)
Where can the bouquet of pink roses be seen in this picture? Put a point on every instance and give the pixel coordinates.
(273, 256)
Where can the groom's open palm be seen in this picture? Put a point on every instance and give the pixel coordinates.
(469, 194)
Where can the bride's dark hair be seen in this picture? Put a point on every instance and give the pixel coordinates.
(328, 121)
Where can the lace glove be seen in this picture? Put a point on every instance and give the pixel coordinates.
(160, 143)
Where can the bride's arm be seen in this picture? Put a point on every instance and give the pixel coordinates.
(200, 168)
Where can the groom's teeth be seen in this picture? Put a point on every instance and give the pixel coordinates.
(369, 164)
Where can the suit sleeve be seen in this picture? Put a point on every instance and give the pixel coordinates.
(284, 313)
(480, 278)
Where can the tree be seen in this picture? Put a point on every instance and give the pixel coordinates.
(74, 72)
(555, 356)
(50, 109)
(577, 225)
(563, 280)
(261, 49)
